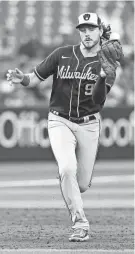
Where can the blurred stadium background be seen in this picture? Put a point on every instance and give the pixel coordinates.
(29, 31)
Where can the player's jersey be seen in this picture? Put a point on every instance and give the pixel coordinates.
(74, 77)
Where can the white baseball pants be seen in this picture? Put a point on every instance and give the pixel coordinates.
(75, 148)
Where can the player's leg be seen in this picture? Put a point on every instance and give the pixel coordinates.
(87, 136)
(87, 146)
(63, 143)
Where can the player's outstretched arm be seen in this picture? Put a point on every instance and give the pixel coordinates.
(18, 77)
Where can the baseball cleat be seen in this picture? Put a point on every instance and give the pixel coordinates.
(79, 235)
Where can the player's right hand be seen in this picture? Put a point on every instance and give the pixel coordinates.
(14, 76)
(102, 73)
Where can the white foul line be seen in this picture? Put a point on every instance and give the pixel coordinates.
(55, 182)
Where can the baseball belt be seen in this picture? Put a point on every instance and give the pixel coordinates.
(79, 120)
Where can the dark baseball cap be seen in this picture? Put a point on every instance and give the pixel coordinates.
(88, 18)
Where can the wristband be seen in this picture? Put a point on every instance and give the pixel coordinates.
(25, 81)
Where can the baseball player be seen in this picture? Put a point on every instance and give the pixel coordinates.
(83, 74)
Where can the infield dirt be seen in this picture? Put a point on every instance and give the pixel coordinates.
(50, 228)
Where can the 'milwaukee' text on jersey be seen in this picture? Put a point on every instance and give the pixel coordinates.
(66, 73)
(74, 77)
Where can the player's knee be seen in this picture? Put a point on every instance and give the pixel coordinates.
(68, 169)
(83, 188)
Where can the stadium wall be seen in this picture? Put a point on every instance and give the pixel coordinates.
(24, 136)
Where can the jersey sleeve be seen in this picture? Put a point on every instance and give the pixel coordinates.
(48, 66)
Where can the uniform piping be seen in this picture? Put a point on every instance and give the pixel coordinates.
(71, 100)
(72, 83)
(38, 75)
(108, 84)
(76, 57)
(95, 153)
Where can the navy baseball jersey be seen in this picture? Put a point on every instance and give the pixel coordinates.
(74, 77)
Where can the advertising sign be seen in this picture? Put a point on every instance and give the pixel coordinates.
(24, 135)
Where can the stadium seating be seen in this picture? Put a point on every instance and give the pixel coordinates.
(47, 20)
(30, 30)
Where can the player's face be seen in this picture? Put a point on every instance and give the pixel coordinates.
(90, 35)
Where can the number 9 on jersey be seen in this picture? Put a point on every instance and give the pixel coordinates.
(88, 89)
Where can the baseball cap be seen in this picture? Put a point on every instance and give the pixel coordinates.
(89, 18)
